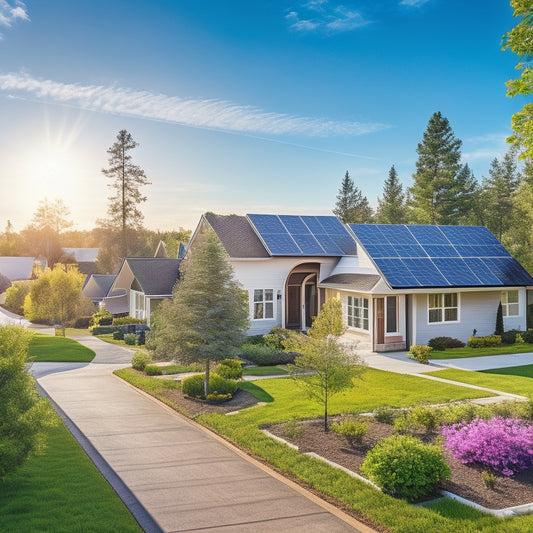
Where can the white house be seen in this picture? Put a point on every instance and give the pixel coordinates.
(400, 285)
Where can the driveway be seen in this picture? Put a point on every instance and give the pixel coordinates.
(176, 475)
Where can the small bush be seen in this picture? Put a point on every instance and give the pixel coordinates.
(418, 418)
(102, 330)
(528, 336)
(118, 335)
(509, 337)
(519, 339)
(229, 369)
(439, 343)
(485, 342)
(82, 322)
(140, 360)
(292, 430)
(420, 353)
(385, 415)
(193, 386)
(121, 321)
(489, 478)
(255, 339)
(153, 370)
(102, 317)
(276, 337)
(404, 467)
(130, 339)
(352, 429)
(454, 343)
(266, 356)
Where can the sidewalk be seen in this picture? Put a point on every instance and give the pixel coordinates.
(186, 478)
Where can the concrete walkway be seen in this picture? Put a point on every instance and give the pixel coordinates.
(173, 474)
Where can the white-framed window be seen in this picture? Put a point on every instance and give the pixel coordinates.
(510, 305)
(357, 312)
(138, 304)
(443, 307)
(263, 304)
(391, 314)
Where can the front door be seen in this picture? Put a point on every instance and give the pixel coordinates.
(293, 307)
(380, 320)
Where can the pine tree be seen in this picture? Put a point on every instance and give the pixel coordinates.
(438, 164)
(460, 200)
(124, 215)
(351, 206)
(392, 208)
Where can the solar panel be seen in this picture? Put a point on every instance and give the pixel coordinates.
(281, 244)
(428, 235)
(308, 245)
(456, 271)
(294, 225)
(425, 272)
(396, 273)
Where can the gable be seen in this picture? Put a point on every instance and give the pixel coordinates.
(16, 268)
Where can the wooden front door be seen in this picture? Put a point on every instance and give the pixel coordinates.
(293, 308)
(380, 320)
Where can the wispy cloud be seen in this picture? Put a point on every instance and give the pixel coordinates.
(194, 112)
(413, 3)
(11, 12)
(325, 17)
(485, 147)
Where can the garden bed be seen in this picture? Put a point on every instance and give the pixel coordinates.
(465, 481)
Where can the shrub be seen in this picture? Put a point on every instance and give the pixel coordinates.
(418, 418)
(420, 353)
(519, 339)
(130, 339)
(121, 321)
(118, 335)
(439, 343)
(102, 317)
(484, 342)
(489, 478)
(276, 337)
(454, 343)
(229, 369)
(102, 330)
(528, 336)
(219, 387)
(292, 430)
(404, 467)
(502, 444)
(352, 429)
(385, 415)
(266, 356)
(15, 296)
(153, 370)
(255, 339)
(82, 322)
(509, 337)
(140, 360)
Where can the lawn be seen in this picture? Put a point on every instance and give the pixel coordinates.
(264, 371)
(516, 380)
(457, 353)
(61, 491)
(45, 348)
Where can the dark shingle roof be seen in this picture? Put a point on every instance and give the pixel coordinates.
(236, 235)
(360, 282)
(155, 275)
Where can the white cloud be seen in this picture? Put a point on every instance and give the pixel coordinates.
(324, 16)
(413, 3)
(193, 112)
(485, 147)
(10, 13)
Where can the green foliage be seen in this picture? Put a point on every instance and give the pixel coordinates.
(118, 335)
(274, 339)
(219, 388)
(498, 330)
(509, 337)
(229, 369)
(404, 467)
(262, 355)
(419, 418)
(130, 339)
(15, 296)
(153, 370)
(102, 317)
(351, 206)
(102, 330)
(392, 208)
(385, 414)
(420, 352)
(123, 320)
(441, 343)
(351, 428)
(519, 339)
(293, 430)
(489, 478)
(24, 415)
(484, 342)
(140, 360)
(329, 321)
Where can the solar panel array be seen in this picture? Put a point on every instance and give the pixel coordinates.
(440, 256)
(291, 235)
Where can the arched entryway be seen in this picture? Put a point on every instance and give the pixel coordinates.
(301, 302)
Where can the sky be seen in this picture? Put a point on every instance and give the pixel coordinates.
(241, 106)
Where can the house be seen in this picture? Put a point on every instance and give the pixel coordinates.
(399, 284)
(85, 258)
(16, 268)
(140, 285)
(96, 286)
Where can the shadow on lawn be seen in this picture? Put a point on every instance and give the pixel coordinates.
(258, 393)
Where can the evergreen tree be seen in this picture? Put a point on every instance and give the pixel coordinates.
(392, 208)
(498, 189)
(438, 164)
(125, 217)
(498, 330)
(207, 317)
(351, 206)
(460, 201)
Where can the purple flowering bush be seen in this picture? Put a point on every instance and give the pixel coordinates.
(503, 444)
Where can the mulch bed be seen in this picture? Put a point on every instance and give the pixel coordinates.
(465, 480)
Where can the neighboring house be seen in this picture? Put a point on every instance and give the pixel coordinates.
(85, 258)
(399, 285)
(17, 268)
(140, 285)
(96, 286)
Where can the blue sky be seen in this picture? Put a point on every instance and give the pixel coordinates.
(241, 106)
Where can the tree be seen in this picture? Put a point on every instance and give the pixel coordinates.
(325, 366)
(498, 190)
(460, 201)
(498, 330)
(24, 415)
(351, 206)
(520, 41)
(439, 162)
(207, 317)
(124, 215)
(55, 295)
(392, 208)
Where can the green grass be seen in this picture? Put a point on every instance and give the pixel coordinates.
(108, 337)
(264, 371)
(73, 332)
(61, 491)
(457, 353)
(45, 348)
(516, 380)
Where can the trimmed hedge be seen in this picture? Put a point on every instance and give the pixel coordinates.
(103, 330)
(140, 360)
(219, 388)
(420, 352)
(121, 321)
(485, 342)
(229, 369)
(266, 356)
(441, 343)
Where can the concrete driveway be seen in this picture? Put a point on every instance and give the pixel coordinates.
(176, 475)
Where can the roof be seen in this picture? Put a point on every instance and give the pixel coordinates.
(237, 236)
(85, 255)
(155, 275)
(16, 268)
(99, 284)
(421, 256)
(358, 282)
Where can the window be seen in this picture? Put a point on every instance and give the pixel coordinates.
(263, 303)
(443, 307)
(510, 303)
(391, 314)
(357, 312)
